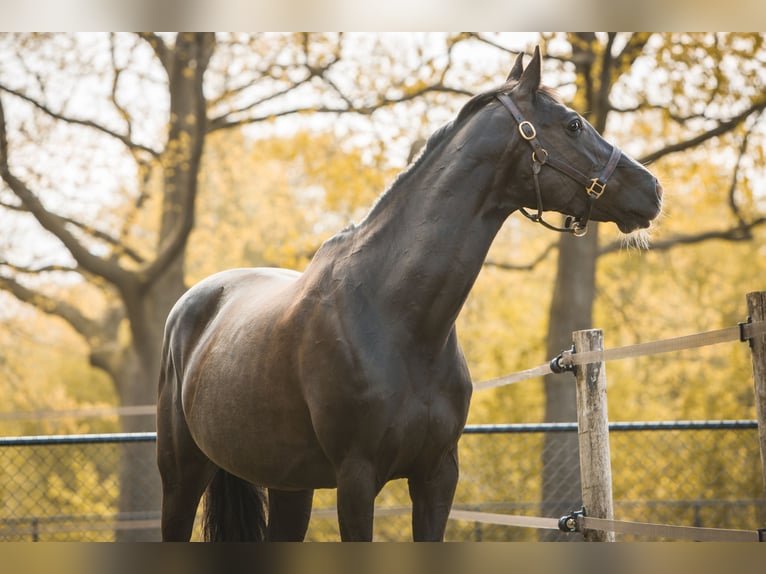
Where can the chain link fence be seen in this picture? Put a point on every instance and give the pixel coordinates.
(68, 488)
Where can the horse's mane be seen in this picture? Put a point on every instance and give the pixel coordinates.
(480, 100)
(469, 108)
(444, 132)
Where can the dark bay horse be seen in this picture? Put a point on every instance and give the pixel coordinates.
(350, 374)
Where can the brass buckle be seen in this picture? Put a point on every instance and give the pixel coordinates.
(596, 188)
(527, 136)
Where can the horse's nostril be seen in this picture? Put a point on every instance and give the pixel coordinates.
(658, 187)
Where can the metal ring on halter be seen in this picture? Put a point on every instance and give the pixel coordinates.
(576, 226)
(543, 152)
(579, 230)
(529, 136)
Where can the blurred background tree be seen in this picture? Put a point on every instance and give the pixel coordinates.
(101, 155)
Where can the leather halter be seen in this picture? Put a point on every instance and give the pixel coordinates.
(594, 186)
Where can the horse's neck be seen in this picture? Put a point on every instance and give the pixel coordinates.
(421, 248)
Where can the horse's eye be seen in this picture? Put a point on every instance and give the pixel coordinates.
(575, 126)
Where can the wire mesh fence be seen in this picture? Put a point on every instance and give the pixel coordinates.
(68, 488)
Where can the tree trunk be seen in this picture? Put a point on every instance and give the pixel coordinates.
(571, 310)
(149, 301)
(140, 492)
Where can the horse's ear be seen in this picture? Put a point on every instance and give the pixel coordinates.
(530, 78)
(517, 69)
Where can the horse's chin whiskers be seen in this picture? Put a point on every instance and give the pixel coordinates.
(638, 239)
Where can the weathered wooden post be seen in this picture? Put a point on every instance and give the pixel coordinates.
(593, 431)
(756, 307)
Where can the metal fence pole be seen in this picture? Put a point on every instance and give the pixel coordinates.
(593, 434)
(756, 307)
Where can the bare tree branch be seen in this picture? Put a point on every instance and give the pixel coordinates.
(601, 89)
(119, 244)
(115, 86)
(38, 270)
(735, 176)
(52, 222)
(489, 42)
(226, 122)
(722, 128)
(221, 122)
(71, 314)
(735, 234)
(125, 139)
(523, 267)
(159, 47)
(633, 48)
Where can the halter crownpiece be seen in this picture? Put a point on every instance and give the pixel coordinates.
(594, 186)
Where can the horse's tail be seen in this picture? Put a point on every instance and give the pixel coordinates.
(235, 510)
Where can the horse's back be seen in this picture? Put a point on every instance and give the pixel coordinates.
(196, 310)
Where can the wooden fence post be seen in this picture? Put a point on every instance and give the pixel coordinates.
(593, 433)
(756, 307)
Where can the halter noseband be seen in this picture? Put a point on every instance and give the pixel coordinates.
(594, 186)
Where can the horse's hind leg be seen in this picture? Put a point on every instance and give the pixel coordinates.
(184, 469)
(289, 514)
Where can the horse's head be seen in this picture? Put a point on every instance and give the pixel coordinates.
(570, 167)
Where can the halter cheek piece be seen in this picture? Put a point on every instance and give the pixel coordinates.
(594, 186)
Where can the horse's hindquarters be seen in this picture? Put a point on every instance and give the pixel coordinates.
(241, 399)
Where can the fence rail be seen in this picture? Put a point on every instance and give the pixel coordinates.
(513, 428)
(613, 426)
(105, 438)
(500, 475)
(744, 331)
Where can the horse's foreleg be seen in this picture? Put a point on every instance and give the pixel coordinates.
(432, 497)
(289, 514)
(357, 490)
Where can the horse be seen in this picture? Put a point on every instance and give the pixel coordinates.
(275, 383)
